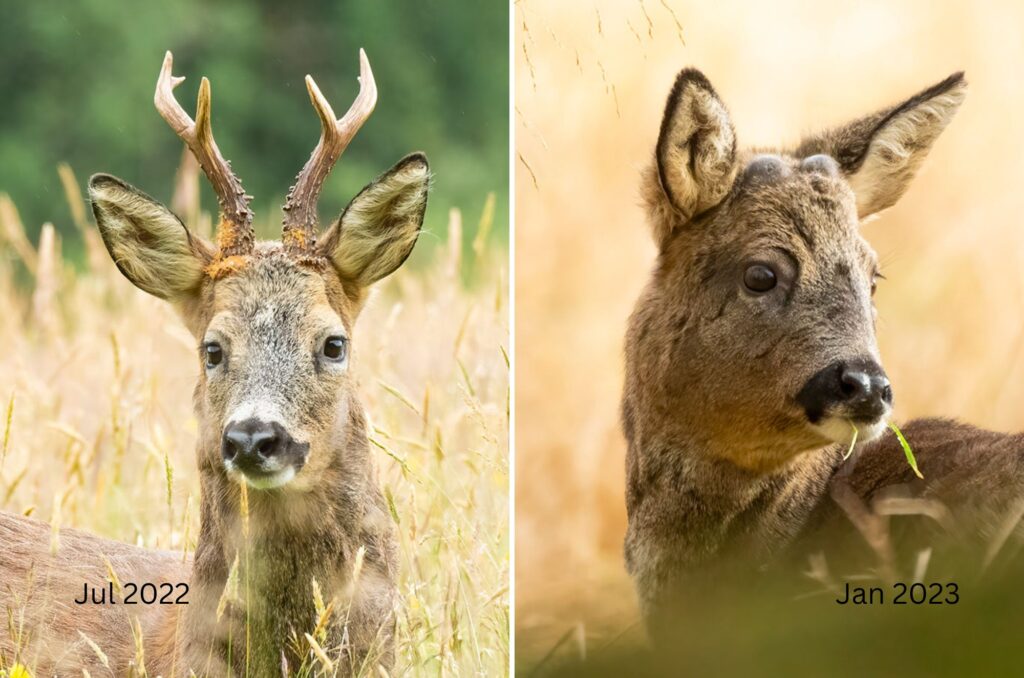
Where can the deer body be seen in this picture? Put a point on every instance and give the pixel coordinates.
(751, 356)
(39, 589)
(291, 510)
(709, 515)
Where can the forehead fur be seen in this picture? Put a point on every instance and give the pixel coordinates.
(269, 275)
(807, 199)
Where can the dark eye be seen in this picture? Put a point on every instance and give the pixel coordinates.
(759, 278)
(335, 348)
(874, 282)
(214, 354)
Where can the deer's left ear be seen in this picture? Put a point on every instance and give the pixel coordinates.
(880, 153)
(377, 231)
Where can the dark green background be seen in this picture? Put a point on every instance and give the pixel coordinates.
(77, 81)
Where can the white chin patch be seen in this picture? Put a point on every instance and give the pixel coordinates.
(840, 430)
(267, 482)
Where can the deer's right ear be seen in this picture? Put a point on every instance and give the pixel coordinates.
(149, 245)
(696, 152)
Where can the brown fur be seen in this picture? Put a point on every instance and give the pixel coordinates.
(724, 464)
(271, 311)
(39, 588)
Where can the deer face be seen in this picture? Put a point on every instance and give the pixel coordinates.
(273, 322)
(274, 385)
(274, 331)
(757, 330)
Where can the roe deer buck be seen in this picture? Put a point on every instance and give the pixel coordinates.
(751, 354)
(278, 412)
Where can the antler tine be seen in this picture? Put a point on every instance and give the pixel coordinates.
(235, 235)
(300, 217)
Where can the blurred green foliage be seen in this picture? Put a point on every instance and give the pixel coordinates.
(762, 629)
(77, 81)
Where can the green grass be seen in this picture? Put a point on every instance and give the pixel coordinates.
(906, 449)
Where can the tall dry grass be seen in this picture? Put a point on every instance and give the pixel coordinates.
(591, 83)
(97, 428)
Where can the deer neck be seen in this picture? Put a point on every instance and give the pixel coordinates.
(268, 560)
(715, 507)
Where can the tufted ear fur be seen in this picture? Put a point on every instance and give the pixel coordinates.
(696, 151)
(149, 245)
(377, 231)
(879, 154)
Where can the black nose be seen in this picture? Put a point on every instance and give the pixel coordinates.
(250, 442)
(856, 389)
(865, 384)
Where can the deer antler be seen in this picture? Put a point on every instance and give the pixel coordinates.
(300, 218)
(235, 234)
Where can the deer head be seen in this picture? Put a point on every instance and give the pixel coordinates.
(273, 321)
(756, 333)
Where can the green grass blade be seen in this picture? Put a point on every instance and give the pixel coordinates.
(853, 442)
(906, 450)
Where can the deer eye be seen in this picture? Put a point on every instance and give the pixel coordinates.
(759, 278)
(335, 348)
(214, 354)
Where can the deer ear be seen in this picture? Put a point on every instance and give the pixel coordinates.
(880, 153)
(696, 152)
(377, 231)
(149, 245)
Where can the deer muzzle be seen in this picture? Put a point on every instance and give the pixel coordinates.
(263, 453)
(857, 391)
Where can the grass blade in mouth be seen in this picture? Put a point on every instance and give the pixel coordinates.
(853, 441)
(906, 450)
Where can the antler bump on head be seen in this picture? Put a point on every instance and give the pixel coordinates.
(235, 235)
(300, 217)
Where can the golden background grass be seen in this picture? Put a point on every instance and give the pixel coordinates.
(97, 429)
(591, 81)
